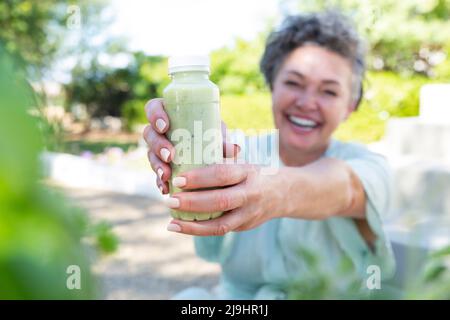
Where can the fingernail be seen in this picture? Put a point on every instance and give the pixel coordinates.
(160, 173)
(160, 124)
(172, 203)
(179, 182)
(173, 227)
(165, 154)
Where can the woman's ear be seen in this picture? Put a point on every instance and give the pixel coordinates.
(351, 107)
(354, 103)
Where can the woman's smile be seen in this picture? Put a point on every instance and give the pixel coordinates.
(303, 125)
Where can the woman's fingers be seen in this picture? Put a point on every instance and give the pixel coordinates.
(154, 134)
(230, 150)
(159, 124)
(207, 201)
(161, 168)
(156, 115)
(216, 227)
(159, 145)
(162, 186)
(162, 171)
(216, 175)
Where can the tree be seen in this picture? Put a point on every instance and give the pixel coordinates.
(403, 36)
(33, 31)
(236, 69)
(103, 90)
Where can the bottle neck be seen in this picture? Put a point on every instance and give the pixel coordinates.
(187, 76)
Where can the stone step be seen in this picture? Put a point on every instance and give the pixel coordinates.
(414, 136)
(422, 187)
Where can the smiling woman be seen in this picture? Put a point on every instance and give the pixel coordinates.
(327, 197)
(311, 96)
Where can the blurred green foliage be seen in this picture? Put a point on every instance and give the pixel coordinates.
(253, 113)
(23, 29)
(387, 94)
(319, 283)
(105, 238)
(102, 89)
(434, 282)
(431, 281)
(37, 33)
(236, 70)
(133, 112)
(40, 235)
(34, 31)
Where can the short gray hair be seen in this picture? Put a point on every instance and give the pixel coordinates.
(329, 29)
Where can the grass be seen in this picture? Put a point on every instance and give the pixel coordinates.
(247, 112)
(78, 146)
(363, 126)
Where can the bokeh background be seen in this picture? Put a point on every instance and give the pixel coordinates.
(75, 185)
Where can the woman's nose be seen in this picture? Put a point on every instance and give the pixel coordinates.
(306, 101)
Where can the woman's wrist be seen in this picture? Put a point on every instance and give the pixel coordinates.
(316, 191)
(284, 191)
(292, 182)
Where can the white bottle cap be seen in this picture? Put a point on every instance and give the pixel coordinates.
(188, 63)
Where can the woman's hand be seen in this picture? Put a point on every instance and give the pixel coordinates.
(249, 198)
(160, 150)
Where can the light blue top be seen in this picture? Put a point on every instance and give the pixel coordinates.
(259, 263)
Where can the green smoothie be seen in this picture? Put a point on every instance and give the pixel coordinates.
(191, 101)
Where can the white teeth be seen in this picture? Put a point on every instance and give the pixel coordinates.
(303, 122)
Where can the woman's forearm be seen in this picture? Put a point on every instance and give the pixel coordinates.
(323, 189)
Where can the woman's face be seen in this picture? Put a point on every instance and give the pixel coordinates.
(311, 95)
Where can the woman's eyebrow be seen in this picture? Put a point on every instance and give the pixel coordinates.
(330, 81)
(296, 73)
(301, 76)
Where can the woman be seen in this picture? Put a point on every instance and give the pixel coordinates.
(328, 197)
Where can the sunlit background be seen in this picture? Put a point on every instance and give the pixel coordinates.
(74, 79)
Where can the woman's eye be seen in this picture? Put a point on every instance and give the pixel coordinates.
(291, 83)
(331, 93)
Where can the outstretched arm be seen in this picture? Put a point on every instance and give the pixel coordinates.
(323, 189)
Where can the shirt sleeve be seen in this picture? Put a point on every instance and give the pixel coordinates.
(375, 175)
(208, 248)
